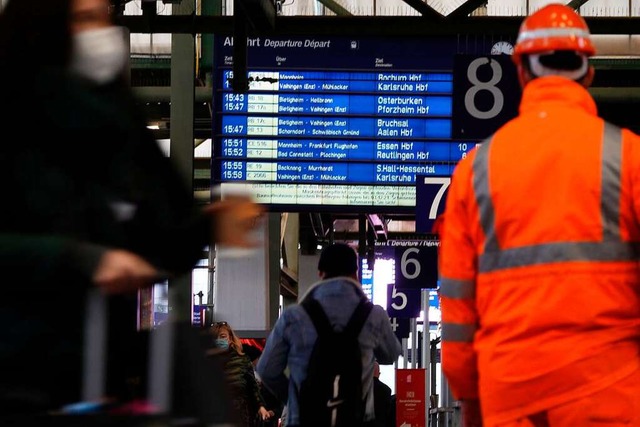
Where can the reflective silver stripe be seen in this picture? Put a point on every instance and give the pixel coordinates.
(459, 289)
(550, 253)
(483, 197)
(611, 164)
(612, 248)
(458, 332)
(552, 32)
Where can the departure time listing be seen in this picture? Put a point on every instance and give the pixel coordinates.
(345, 150)
(309, 127)
(329, 172)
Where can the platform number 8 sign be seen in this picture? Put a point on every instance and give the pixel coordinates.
(486, 94)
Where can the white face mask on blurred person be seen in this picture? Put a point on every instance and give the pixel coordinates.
(99, 55)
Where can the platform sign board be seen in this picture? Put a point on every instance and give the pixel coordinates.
(401, 326)
(348, 133)
(417, 265)
(403, 303)
(431, 194)
(411, 399)
(486, 95)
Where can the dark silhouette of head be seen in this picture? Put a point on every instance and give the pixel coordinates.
(338, 259)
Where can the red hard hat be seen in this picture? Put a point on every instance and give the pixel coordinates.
(553, 27)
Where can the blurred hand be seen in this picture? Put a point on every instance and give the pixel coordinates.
(471, 415)
(234, 219)
(264, 414)
(121, 271)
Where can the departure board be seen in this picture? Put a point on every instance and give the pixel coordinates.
(335, 123)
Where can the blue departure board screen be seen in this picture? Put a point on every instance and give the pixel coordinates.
(336, 123)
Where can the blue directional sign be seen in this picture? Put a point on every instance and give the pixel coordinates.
(354, 135)
(431, 194)
(312, 172)
(417, 266)
(401, 326)
(343, 150)
(405, 303)
(486, 94)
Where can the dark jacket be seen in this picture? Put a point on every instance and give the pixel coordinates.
(79, 173)
(385, 416)
(244, 388)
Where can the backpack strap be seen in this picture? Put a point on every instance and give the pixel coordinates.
(317, 315)
(321, 321)
(359, 316)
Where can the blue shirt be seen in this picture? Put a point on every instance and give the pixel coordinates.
(283, 364)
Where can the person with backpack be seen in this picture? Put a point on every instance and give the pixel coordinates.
(319, 357)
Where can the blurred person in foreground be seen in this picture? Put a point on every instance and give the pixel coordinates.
(90, 201)
(249, 405)
(290, 343)
(540, 280)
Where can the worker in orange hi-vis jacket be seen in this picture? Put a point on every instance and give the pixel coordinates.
(540, 280)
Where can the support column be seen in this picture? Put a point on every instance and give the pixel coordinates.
(246, 282)
(307, 272)
(182, 140)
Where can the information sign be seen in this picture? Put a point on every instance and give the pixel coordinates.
(431, 194)
(411, 402)
(400, 326)
(366, 279)
(416, 265)
(486, 94)
(405, 303)
(354, 134)
(198, 315)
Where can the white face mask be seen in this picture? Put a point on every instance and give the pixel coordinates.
(99, 55)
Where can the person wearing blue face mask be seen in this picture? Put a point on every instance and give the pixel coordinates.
(222, 343)
(248, 402)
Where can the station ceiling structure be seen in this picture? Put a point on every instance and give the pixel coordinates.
(444, 17)
(617, 85)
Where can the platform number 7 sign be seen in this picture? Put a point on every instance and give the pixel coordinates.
(431, 193)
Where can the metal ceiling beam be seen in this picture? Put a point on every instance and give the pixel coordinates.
(361, 26)
(259, 14)
(616, 94)
(335, 8)
(466, 9)
(149, 9)
(378, 226)
(242, 20)
(575, 4)
(424, 9)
